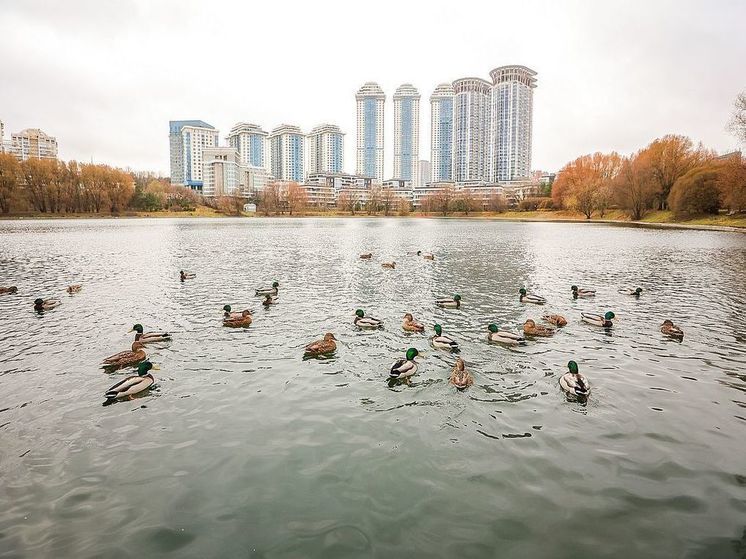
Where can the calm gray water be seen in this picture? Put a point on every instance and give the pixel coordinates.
(246, 450)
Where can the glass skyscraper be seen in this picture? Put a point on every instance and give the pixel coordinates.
(187, 139)
(251, 143)
(406, 133)
(287, 146)
(441, 133)
(325, 149)
(370, 112)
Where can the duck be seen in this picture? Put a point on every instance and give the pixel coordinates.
(426, 255)
(669, 329)
(75, 288)
(556, 319)
(322, 347)
(574, 384)
(599, 320)
(8, 290)
(449, 302)
(366, 255)
(133, 384)
(529, 298)
(530, 328)
(235, 319)
(636, 292)
(149, 337)
(406, 367)
(460, 377)
(126, 358)
(46, 304)
(186, 275)
(269, 300)
(503, 336)
(390, 265)
(411, 325)
(582, 293)
(261, 292)
(367, 322)
(440, 341)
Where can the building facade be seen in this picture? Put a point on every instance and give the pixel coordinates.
(370, 138)
(187, 140)
(511, 123)
(287, 153)
(406, 132)
(425, 173)
(441, 133)
(32, 142)
(325, 149)
(221, 172)
(471, 119)
(251, 142)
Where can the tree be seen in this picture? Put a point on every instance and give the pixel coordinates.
(732, 183)
(269, 199)
(584, 183)
(374, 199)
(465, 201)
(441, 201)
(635, 189)
(404, 207)
(388, 200)
(737, 124)
(696, 193)
(497, 203)
(348, 201)
(297, 199)
(10, 177)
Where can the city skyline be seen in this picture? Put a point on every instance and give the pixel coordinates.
(599, 90)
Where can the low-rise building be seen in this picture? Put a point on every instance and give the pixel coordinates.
(221, 172)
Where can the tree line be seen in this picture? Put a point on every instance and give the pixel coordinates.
(670, 173)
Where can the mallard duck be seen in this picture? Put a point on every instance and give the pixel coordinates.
(11, 289)
(125, 358)
(75, 288)
(426, 255)
(133, 384)
(186, 275)
(503, 336)
(530, 328)
(575, 384)
(322, 347)
(269, 300)
(669, 329)
(390, 265)
(526, 298)
(582, 293)
(636, 292)
(556, 319)
(411, 325)
(149, 337)
(449, 303)
(367, 322)
(235, 319)
(46, 304)
(366, 255)
(439, 341)
(599, 320)
(460, 377)
(268, 290)
(405, 368)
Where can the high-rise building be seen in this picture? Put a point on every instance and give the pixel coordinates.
(325, 146)
(471, 119)
(287, 153)
(221, 172)
(511, 122)
(251, 142)
(32, 142)
(370, 104)
(441, 133)
(187, 140)
(406, 132)
(425, 173)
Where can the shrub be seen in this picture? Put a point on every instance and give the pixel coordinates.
(695, 193)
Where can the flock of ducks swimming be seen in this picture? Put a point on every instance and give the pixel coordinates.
(573, 383)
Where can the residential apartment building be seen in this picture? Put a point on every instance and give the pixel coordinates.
(471, 119)
(187, 140)
(252, 144)
(406, 133)
(29, 143)
(425, 173)
(325, 149)
(370, 131)
(221, 172)
(441, 134)
(287, 153)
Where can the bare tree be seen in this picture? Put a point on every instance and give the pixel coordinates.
(737, 124)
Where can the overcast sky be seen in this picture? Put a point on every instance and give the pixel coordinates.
(105, 77)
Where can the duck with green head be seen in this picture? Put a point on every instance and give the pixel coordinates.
(574, 384)
(46, 304)
(268, 290)
(406, 367)
(526, 297)
(634, 291)
(603, 320)
(578, 293)
(439, 341)
(449, 302)
(236, 319)
(503, 336)
(149, 337)
(366, 322)
(133, 384)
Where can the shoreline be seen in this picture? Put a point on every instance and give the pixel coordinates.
(492, 217)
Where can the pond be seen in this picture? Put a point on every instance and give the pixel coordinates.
(244, 449)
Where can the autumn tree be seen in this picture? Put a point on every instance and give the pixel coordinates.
(10, 178)
(635, 189)
(387, 200)
(348, 201)
(732, 182)
(441, 201)
(584, 184)
(374, 200)
(737, 122)
(269, 199)
(297, 199)
(466, 201)
(696, 192)
(497, 202)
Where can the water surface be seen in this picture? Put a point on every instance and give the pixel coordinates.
(246, 450)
